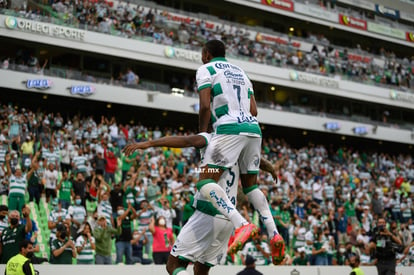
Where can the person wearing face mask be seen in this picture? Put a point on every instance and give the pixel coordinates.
(299, 232)
(383, 244)
(163, 240)
(4, 211)
(63, 248)
(32, 237)
(339, 257)
(77, 213)
(123, 241)
(20, 264)
(166, 211)
(354, 264)
(13, 235)
(299, 212)
(138, 241)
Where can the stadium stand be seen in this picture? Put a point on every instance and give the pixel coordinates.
(346, 176)
(160, 26)
(327, 181)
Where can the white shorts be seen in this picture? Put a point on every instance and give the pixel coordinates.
(204, 239)
(224, 151)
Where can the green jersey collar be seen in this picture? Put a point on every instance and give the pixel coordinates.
(218, 59)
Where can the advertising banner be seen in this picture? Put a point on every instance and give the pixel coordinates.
(363, 4)
(280, 4)
(38, 84)
(388, 12)
(273, 39)
(321, 81)
(386, 30)
(352, 22)
(83, 90)
(410, 36)
(25, 25)
(317, 12)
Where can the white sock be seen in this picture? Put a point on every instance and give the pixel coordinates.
(259, 201)
(180, 271)
(216, 195)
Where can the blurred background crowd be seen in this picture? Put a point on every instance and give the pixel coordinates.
(326, 200)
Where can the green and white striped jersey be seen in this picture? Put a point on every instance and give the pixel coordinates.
(18, 184)
(231, 91)
(87, 253)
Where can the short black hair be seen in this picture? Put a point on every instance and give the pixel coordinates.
(216, 48)
(24, 244)
(4, 208)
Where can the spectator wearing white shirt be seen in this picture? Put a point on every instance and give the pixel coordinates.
(50, 177)
(258, 247)
(363, 237)
(329, 191)
(166, 211)
(317, 191)
(77, 213)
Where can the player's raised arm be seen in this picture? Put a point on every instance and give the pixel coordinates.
(173, 141)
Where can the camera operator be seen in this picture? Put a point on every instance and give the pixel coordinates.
(384, 243)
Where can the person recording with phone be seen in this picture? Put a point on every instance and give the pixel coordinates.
(384, 244)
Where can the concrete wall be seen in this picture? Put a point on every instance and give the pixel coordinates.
(218, 270)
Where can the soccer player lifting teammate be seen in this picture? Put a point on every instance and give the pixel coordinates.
(227, 102)
(203, 239)
(236, 139)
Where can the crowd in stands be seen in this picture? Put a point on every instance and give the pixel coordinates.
(325, 202)
(154, 25)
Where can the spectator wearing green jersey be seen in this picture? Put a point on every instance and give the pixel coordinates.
(300, 257)
(17, 186)
(14, 234)
(127, 162)
(62, 248)
(103, 236)
(65, 188)
(281, 215)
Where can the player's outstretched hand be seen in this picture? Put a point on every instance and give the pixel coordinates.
(130, 148)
